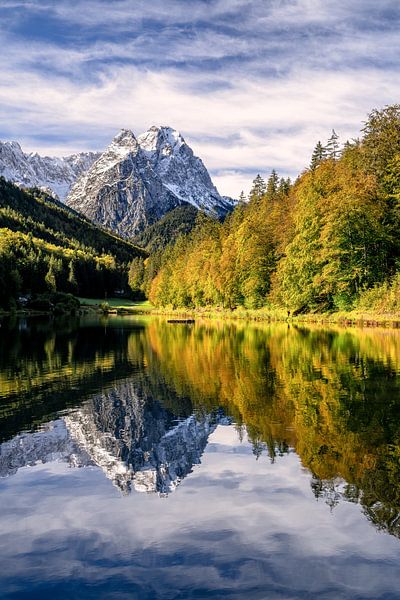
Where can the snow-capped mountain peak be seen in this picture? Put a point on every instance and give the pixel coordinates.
(124, 142)
(53, 174)
(132, 184)
(137, 181)
(183, 173)
(160, 141)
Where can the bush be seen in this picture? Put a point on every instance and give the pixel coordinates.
(54, 302)
(383, 298)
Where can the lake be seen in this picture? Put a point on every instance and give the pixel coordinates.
(142, 459)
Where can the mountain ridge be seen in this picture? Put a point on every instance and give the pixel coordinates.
(51, 174)
(136, 181)
(126, 188)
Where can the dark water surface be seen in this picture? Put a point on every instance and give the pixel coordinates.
(140, 459)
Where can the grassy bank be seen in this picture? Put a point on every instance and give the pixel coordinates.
(123, 306)
(350, 318)
(116, 305)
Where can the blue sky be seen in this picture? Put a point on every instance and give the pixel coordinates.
(251, 84)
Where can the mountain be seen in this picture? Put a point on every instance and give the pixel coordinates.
(138, 444)
(44, 218)
(180, 171)
(129, 186)
(136, 441)
(137, 181)
(52, 174)
(121, 191)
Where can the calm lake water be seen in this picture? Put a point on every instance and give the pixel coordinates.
(140, 459)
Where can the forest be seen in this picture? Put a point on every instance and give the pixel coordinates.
(46, 248)
(326, 242)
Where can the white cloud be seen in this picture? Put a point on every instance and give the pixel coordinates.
(275, 87)
(277, 121)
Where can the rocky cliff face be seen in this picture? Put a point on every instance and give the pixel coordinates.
(54, 175)
(137, 181)
(180, 171)
(53, 443)
(131, 185)
(121, 191)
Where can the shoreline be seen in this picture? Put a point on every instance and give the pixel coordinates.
(345, 319)
(350, 319)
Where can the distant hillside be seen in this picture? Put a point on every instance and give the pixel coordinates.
(46, 246)
(179, 221)
(46, 218)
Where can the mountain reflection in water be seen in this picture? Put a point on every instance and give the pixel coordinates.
(141, 399)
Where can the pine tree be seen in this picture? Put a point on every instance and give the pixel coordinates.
(284, 186)
(333, 147)
(319, 154)
(259, 187)
(272, 184)
(50, 277)
(136, 275)
(72, 276)
(242, 197)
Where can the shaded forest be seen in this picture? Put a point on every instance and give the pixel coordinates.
(46, 247)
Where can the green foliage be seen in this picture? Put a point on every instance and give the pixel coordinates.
(43, 217)
(136, 276)
(338, 246)
(45, 247)
(382, 298)
(56, 302)
(333, 147)
(259, 187)
(319, 154)
(104, 307)
(227, 264)
(179, 221)
(381, 141)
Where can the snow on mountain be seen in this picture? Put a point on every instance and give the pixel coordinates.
(121, 191)
(55, 175)
(137, 181)
(52, 443)
(138, 443)
(132, 184)
(183, 173)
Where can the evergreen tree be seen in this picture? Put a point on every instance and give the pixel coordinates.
(50, 278)
(242, 198)
(272, 185)
(284, 186)
(381, 140)
(333, 148)
(72, 276)
(259, 187)
(319, 154)
(136, 275)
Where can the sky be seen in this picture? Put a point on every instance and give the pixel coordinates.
(252, 85)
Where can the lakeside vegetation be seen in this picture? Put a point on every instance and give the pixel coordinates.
(331, 394)
(326, 243)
